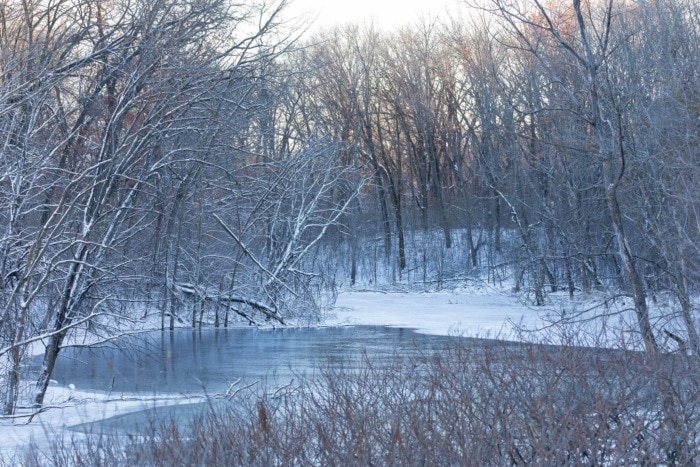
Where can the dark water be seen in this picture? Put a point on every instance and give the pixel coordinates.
(209, 360)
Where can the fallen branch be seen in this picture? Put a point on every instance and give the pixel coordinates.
(270, 312)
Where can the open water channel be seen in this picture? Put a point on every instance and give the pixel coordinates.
(208, 361)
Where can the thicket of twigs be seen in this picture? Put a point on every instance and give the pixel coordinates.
(480, 403)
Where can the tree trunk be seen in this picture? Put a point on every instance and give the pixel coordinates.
(442, 211)
(632, 275)
(683, 295)
(47, 366)
(396, 198)
(605, 136)
(63, 319)
(13, 379)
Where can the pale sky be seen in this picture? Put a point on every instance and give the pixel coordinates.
(387, 14)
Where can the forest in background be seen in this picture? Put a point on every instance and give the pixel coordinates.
(206, 161)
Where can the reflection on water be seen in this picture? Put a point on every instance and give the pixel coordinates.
(209, 360)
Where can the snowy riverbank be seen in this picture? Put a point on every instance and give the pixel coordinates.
(596, 320)
(477, 311)
(474, 312)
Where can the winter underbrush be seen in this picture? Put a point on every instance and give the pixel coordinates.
(476, 403)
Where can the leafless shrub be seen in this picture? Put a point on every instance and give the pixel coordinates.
(475, 403)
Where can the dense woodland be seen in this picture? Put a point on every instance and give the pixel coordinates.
(207, 161)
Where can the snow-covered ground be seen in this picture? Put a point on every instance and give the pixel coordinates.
(474, 312)
(66, 407)
(477, 311)
(482, 311)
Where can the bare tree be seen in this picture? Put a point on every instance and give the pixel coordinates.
(581, 37)
(93, 93)
(293, 204)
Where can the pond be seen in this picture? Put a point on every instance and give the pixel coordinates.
(209, 360)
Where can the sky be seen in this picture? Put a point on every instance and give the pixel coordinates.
(387, 14)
